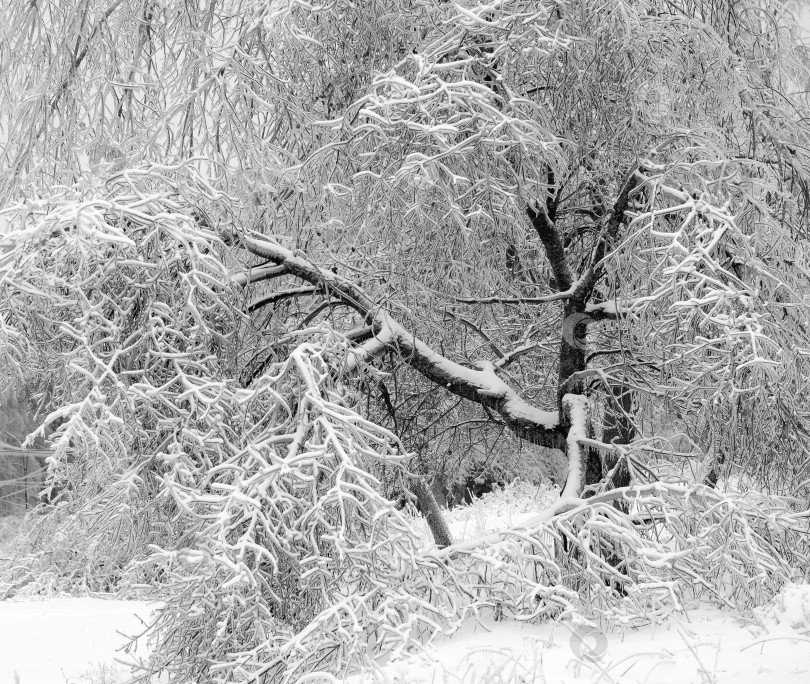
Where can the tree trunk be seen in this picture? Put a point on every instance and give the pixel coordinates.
(713, 475)
(432, 512)
(619, 429)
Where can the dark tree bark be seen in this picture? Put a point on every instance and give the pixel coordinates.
(619, 429)
(714, 472)
(475, 385)
(432, 512)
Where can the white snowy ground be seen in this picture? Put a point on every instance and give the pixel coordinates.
(68, 640)
(706, 646)
(74, 641)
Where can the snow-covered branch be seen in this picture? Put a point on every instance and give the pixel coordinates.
(480, 385)
(576, 408)
(257, 274)
(607, 241)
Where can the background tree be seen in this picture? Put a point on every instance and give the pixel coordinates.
(585, 223)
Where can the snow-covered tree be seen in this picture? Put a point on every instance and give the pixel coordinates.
(257, 252)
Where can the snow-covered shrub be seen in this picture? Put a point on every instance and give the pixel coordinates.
(499, 509)
(791, 607)
(254, 506)
(678, 541)
(119, 317)
(293, 561)
(519, 497)
(9, 528)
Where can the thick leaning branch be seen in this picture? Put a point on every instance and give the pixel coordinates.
(572, 358)
(300, 267)
(481, 386)
(553, 245)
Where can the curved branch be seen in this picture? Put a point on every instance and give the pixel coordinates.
(514, 354)
(476, 329)
(274, 297)
(480, 385)
(331, 283)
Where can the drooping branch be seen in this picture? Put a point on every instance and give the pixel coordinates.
(480, 385)
(789, 151)
(330, 283)
(80, 56)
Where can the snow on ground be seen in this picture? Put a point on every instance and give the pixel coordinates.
(500, 509)
(704, 646)
(74, 641)
(67, 640)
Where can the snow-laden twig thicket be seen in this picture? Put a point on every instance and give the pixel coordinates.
(256, 510)
(230, 236)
